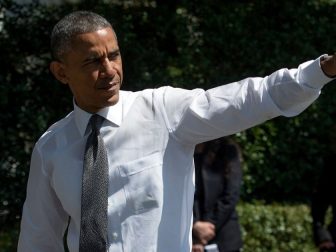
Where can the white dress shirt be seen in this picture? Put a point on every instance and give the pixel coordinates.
(150, 138)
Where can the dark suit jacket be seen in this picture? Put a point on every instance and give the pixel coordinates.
(218, 176)
(323, 198)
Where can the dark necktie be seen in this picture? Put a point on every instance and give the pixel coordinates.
(93, 233)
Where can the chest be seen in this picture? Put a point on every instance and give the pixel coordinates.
(135, 153)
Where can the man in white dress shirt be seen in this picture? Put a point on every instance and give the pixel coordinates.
(150, 137)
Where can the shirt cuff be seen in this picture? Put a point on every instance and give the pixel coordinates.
(312, 74)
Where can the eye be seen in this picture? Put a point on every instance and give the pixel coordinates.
(113, 56)
(91, 62)
(95, 61)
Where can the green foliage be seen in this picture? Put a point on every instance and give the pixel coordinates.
(276, 228)
(8, 239)
(29, 98)
(190, 44)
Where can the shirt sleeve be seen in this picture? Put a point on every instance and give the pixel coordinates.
(198, 116)
(43, 220)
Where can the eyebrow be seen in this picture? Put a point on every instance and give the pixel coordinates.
(116, 51)
(95, 55)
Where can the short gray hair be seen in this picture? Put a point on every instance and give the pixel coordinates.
(73, 24)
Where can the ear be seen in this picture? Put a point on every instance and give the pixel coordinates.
(58, 70)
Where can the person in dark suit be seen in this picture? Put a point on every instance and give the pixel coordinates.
(323, 198)
(218, 176)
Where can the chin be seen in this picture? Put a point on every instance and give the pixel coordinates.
(113, 100)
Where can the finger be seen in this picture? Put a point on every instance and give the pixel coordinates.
(212, 226)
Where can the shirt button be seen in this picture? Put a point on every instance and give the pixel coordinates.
(114, 236)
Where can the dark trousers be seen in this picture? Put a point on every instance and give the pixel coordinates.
(328, 250)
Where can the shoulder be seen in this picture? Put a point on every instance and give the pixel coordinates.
(166, 92)
(55, 130)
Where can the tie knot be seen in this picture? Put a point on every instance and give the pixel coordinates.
(96, 122)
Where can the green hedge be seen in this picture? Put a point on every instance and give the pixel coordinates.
(276, 228)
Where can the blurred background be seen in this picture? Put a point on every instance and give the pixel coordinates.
(188, 44)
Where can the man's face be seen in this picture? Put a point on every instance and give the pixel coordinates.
(93, 70)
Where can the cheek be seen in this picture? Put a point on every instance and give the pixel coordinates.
(88, 79)
(83, 83)
(120, 70)
(92, 76)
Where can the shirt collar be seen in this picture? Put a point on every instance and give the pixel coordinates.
(112, 113)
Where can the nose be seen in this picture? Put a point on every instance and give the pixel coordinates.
(108, 69)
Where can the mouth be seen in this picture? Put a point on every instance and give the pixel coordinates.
(109, 86)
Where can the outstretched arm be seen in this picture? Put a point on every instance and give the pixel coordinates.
(199, 116)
